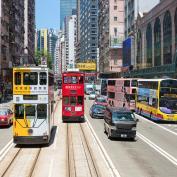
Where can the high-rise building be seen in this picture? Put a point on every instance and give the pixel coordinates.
(4, 39)
(78, 32)
(132, 9)
(29, 29)
(52, 43)
(42, 39)
(70, 41)
(66, 9)
(111, 34)
(88, 30)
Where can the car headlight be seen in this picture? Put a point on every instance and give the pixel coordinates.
(67, 108)
(134, 128)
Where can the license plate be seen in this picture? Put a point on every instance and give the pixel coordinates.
(123, 136)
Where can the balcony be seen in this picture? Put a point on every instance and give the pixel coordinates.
(116, 42)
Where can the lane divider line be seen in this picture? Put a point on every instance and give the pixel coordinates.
(5, 150)
(158, 149)
(106, 157)
(168, 130)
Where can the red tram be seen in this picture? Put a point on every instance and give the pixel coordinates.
(73, 96)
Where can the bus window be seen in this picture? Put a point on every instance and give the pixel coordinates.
(81, 80)
(18, 78)
(42, 111)
(30, 78)
(80, 100)
(134, 83)
(66, 100)
(43, 78)
(111, 82)
(19, 111)
(30, 111)
(73, 101)
(67, 80)
(74, 80)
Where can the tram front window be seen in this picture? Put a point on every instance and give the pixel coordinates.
(18, 78)
(30, 111)
(19, 111)
(30, 78)
(42, 111)
(43, 78)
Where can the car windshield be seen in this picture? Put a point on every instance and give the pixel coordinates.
(99, 107)
(168, 106)
(3, 113)
(122, 117)
(101, 100)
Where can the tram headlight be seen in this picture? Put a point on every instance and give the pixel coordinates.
(67, 108)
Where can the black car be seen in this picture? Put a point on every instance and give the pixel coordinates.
(97, 111)
(120, 123)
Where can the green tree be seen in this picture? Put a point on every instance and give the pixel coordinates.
(39, 54)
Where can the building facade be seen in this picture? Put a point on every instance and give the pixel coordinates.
(66, 9)
(70, 41)
(88, 30)
(156, 35)
(111, 34)
(29, 29)
(132, 8)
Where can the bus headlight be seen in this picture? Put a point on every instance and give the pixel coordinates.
(67, 108)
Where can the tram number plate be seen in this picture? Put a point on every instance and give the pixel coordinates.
(123, 136)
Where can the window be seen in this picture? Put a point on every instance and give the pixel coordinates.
(111, 82)
(115, 18)
(42, 111)
(115, 7)
(30, 78)
(19, 111)
(115, 31)
(80, 100)
(18, 78)
(111, 95)
(30, 111)
(126, 83)
(66, 100)
(81, 80)
(73, 101)
(74, 80)
(43, 78)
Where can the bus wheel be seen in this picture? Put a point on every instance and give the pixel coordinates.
(105, 129)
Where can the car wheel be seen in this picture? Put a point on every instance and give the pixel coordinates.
(105, 129)
(109, 134)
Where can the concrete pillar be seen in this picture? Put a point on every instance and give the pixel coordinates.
(161, 23)
(173, 31)
(152, 25)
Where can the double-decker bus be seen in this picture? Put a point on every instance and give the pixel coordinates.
(73, 96)
(157, 99)
(33, 98)
(121, 92)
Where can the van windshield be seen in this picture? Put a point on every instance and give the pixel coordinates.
(123, 117)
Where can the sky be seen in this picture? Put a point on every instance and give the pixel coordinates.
(48, 14)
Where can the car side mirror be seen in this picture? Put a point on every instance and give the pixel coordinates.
(137, 120)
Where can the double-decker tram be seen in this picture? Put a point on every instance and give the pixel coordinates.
(157, 99)
(121, 92)
(33, 97)
(73, 96)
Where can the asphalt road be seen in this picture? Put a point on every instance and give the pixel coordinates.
(153, 154)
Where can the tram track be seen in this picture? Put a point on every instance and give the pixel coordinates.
(22, 163)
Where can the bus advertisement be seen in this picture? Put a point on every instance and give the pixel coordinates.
(121, 93)
(157, 99)
(73, 96)
(33, 98)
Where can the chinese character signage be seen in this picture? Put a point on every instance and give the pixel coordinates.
(86, 66)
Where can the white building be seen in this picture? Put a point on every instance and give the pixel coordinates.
(70, 41)
(132, 9)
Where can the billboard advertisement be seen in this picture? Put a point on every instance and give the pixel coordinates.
(86, 66)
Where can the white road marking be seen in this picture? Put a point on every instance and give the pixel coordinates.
(51, 167)
(166, 129)
(158, 149)
(104, 154)
(6, 148)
